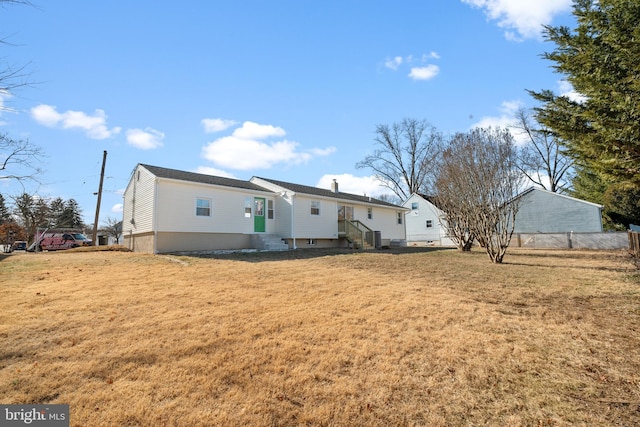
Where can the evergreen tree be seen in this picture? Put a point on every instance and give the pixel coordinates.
(56, 212)
(5, 215)
(72, 214)
(601, 59)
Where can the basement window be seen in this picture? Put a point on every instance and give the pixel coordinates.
(311, 242)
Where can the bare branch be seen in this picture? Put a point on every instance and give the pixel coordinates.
(405, 155)
(18, 159)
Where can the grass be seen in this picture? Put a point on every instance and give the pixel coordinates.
(326, 337)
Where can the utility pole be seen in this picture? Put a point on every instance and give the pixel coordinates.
(95, 222)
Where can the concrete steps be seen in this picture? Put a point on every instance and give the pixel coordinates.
(268, 242)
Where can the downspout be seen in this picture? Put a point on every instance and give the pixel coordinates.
(293, 221)
(155, 216)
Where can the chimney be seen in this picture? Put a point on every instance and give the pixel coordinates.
(334, 186)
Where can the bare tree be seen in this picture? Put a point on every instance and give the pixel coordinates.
(113, 228)
(476, 187)
(542, 159)
(12, 77)
(18, 159)
(405, 156)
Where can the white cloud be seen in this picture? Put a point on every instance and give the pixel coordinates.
(361, 185)
(146, 139)
(217, 125)
(251, 130)
(523, 17)
(249, 147)
(566, 89)
(94, 125)
(424, 73)
(420, 68)
(322, 152)
(206, 170)
(505, 120)
(393, 63)
(117, 208)
(4, 95)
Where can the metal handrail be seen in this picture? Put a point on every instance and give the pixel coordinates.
(356, 231)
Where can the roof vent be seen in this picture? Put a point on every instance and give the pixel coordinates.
(334, 186)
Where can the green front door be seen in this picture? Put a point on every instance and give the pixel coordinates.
(258, 214)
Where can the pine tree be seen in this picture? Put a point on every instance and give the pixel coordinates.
(5, 215)
(601, 59)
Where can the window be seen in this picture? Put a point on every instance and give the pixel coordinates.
(429, 223)
(270, 209)
(259, 204)
(203, 207)
(414, 206)
(399, 216)
(369, 213)
(311, 242)
(315, 207)
(247, 207)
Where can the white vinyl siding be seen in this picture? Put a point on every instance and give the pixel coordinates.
(417, 219)
(139, 202)
(175, 207)
(203, 206)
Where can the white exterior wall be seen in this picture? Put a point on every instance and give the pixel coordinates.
(138, 203)
(417, 230)
(323, 226)
(385, 220)
(542, 211)
(176, 208)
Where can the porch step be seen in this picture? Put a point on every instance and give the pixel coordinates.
(268, 242)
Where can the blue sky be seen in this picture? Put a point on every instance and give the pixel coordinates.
(289, 90)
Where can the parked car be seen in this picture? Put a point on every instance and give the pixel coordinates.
(58, 240)
(19, 245)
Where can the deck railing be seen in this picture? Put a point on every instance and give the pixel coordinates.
(356, 232)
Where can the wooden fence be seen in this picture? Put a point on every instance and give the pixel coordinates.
(634, 243)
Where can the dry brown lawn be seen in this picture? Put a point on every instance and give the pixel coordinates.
(326, 338)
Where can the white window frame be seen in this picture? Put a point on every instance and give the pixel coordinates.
(315, 207)
(271, 213)
(248, 203)
(209, 207)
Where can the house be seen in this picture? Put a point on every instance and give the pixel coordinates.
(168, 210)
(424, 222)
(540, 211)
(543, 211)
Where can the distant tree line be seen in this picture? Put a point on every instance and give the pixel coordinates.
(30, 213)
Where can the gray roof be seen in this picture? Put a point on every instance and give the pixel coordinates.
(202, 178)
(315, 191)
(248, 185)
